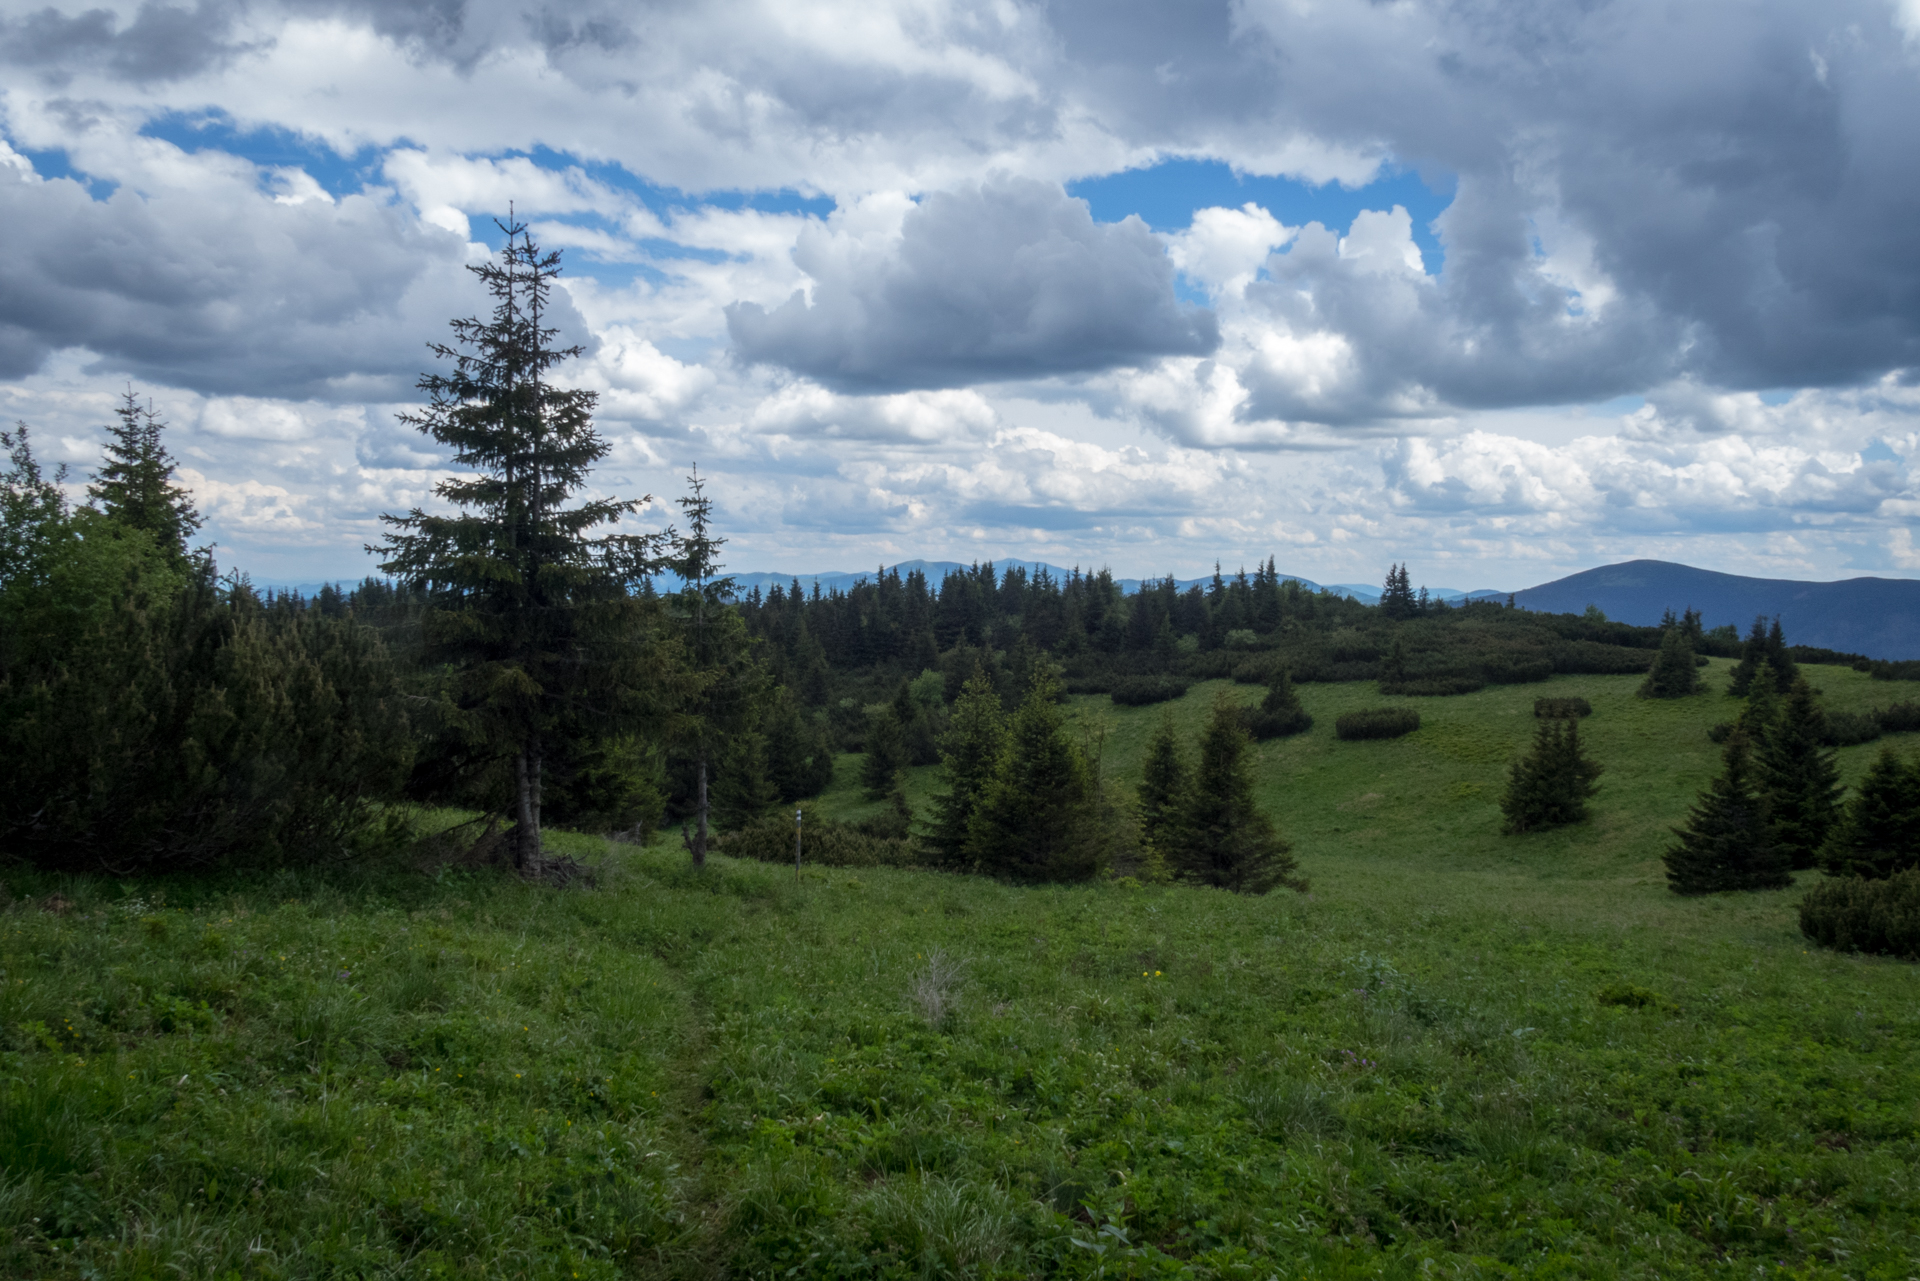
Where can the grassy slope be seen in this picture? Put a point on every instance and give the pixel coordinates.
(1406, 1073)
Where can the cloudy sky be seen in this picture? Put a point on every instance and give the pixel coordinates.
(1505, 290)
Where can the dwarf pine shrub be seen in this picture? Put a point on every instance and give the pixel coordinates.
(1141, 691)
(1854, 914)
(1561, 708)
(1376, 722)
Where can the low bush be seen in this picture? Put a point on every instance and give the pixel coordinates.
(1377, 722)
(824, 843)
(1844, 729)
(1901, 718)
(1561, 708)
(1853, 914)
(1721, 731)
(1591, 658)
(1140, 691)
(1432, 686)
(1506, 669)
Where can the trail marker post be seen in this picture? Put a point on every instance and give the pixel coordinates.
(796, 843)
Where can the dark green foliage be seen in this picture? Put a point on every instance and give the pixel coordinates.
(1855, 914)
(1798, 776)
(1433, 686)
(1376, 722)
(1879, 831)
(1548, 708)
(1550, 786)
(886, 753)
(199, 727)
(1720, 731)
(824, 843)
(1765, 647)
(529, 612)
(975, 741)
(1901, 718)
(1504, 669)
(1223, 839)
(1139, 691)
(33, 513)
(1279, 713)
(1036, 818)
(1728, 842)
(1848, 729)
(799, 749)
(1165, 780)
(1592, 658)
(1673, 674)
(134, 487)
(1396, 596)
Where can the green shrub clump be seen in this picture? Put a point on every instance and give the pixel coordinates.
(1845, 729)
(1279, 714)
(1433, 686)
(1376, 722)
(1548, 709)
(1901, 718)
(1855, 914)
(1142, 691)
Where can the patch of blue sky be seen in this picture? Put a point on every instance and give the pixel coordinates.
(1618, 407)
(1776, 396)
(664, 201)
(1167, 194)
(1880, 452)
(268, 147)
(55, 163)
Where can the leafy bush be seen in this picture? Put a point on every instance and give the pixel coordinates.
(1432, 686)
(1844, 729)
(1140, 691)
(1853, 914)
(824, 843)
(1561, 708)
(1720, 731)
(1376, 722)
(1901, 718)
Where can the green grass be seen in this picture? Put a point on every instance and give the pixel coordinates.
(1462, 1055)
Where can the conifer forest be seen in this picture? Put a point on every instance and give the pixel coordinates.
(547, 905)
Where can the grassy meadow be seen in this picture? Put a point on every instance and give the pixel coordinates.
(1461, 1055)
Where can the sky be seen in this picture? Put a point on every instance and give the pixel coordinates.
(1500, 290)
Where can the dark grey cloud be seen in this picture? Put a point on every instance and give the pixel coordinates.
(1012, 279)
(163, 42)
(224, 291)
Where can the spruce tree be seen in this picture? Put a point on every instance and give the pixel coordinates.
(799, 752)
(1778, 658)
(526, 607)
(1036, 820)
(1753, 656)
(135, 485)
(886, 753)
(1164, 783)
(1879, 833)
(1674, 674)
(976, 739)
(1728, 842)
(1757, 718)
(33, 512)
(1396, 596)
(1279, 713)
(1798, 777)
(1224, 839)
(1550, 786)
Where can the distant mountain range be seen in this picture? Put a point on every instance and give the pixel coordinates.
(1878, 617)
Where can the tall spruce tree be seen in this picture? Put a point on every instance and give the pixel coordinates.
(1728, 842)
(724, 689)
(1550, 786)
(1396, 596)
(886, 753)
(970, 753)
(1798, 777)
(1225, 840)
(1778, 658)
(1036, 820)
(135, 485)
(1674, 674)
(1164, 782)
(799, 750)
(526, 605)
(1879, 832)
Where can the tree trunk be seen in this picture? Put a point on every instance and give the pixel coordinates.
(700, 804)
(526, 808)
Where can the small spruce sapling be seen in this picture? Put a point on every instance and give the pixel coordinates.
(1550, 787)
(1225, 840)
(1879, 833)
(1798, 777)
(1673, 674)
